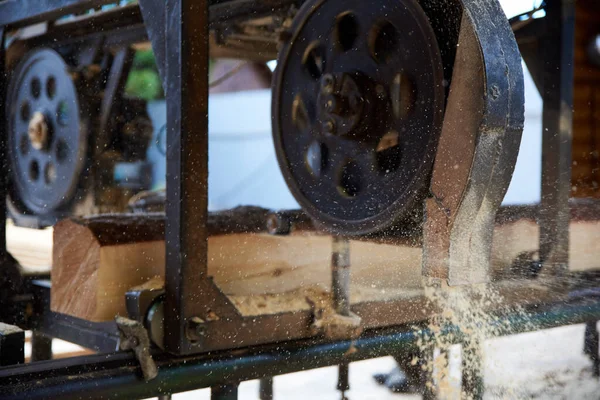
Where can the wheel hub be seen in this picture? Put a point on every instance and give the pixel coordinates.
(357, 110)
(38, 131)
(340, 105)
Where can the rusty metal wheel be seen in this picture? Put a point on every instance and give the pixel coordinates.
(357, 110)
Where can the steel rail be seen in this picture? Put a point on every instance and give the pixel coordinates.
(118, 376)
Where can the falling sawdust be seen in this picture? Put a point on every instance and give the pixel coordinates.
(464, 317)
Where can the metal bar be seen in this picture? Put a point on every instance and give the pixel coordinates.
(340, 275)
(187, 164)
(41, 347)
(12, 344)
(118, 375)
(189, 292)
(97, 336)
(3, 156)
(16, 13)
(472, 372)
(265, 389)
(117, 79)
(558, 78)
(224, 392)
(343, 383)
(591, 345)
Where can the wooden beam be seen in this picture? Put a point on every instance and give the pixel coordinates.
(96, 260)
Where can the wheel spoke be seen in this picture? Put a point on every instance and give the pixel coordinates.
(313, 61)
(300, 114)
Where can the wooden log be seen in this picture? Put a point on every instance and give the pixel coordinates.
(264, 273)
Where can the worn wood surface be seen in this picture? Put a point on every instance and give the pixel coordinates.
(263, 273)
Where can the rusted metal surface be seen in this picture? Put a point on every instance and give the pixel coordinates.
(478, 147)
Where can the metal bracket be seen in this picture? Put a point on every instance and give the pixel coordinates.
(133, 336)
(330, 324)
(483, 123)
(12, 342)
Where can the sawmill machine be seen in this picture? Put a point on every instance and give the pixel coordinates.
(396, 125)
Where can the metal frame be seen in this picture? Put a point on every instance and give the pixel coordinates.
(190, 293)
(116, 375)
(558, 52)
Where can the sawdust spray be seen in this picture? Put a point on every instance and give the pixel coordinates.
(463, 317)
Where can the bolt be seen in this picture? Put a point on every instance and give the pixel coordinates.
(329, 126)
(278, 224)
(380, 90)
(196, 329)
(38, 131)
(330, 105)
(327, 83)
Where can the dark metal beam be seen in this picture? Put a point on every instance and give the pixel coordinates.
(41, 347)
(557, 47)
(118, 375)
(12, 344)
(15, 13)
(187, 165)
(97, 336)
(189, 292)
(3, 133)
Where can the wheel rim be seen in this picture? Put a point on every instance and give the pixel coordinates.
(46, 140)
(357, 110)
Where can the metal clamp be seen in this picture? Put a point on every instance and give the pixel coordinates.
(133, 336)
(332, 325)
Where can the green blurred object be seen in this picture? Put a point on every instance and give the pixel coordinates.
(143, 81)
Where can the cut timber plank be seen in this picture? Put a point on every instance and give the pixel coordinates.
(266, 274)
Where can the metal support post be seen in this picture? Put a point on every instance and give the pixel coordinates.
(472, 371)
(266, 388)
(224, 392)
(340, 275)
(12, 344)
(3, 154)
(557, 80)
(343, 384)
(591, 345)
(41, 347)
(186, 87)
(340, 286)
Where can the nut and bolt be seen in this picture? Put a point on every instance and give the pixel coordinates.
(38, 131)
(196, 329)
(327, 83)
(329, 126)
(278, 224)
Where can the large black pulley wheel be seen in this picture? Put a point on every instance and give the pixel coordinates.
(357, 110)
(46, 139)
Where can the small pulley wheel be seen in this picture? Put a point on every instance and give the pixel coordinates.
(46, 140)
(357, 110)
